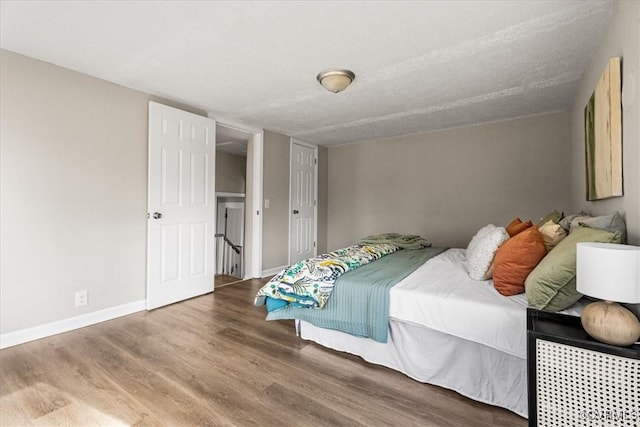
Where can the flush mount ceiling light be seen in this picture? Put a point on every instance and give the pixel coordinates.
(335, 79)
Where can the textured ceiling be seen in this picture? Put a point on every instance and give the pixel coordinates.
(420, 66)
(232, 141)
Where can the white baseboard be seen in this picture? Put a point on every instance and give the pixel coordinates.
(274, 270)
(41, 331)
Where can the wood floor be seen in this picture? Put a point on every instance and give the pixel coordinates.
(214, 360)
(224, 280)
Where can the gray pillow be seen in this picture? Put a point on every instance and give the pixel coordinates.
(566, 221)
(577, 222)
(612, 222)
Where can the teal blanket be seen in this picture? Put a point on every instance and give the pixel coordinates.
(359, 304)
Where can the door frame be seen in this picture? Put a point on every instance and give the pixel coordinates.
(315, 194)
(253, 199)
(220, 195)
(241, 241)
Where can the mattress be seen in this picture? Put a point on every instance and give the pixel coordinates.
(440, 295)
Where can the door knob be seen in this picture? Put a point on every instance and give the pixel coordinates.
(157, 215)
(295, 211)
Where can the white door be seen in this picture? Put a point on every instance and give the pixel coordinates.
(303, 200)
(181, 224)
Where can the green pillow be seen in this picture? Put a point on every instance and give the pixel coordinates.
(554, 216)
(551, 286)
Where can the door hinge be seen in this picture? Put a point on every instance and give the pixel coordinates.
(315, 203)
(314, 244)
(315, 161)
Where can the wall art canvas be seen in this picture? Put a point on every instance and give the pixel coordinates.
(603, 135)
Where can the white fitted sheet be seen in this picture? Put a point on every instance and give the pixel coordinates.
(440, 295)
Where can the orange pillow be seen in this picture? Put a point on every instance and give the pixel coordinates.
(515, 259)
(517, 226)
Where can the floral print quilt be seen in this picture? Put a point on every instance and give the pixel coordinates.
(309, 283)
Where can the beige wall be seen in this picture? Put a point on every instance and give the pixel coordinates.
(73, 193)
(275, 187)
(622, 38)
(446, 185)
(231, 171)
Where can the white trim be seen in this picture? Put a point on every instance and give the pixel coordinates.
(48, 329)
(315, 201)
(234, 125)
(224, 194)
(256, 250)
(289, 216)
(274, 270)
(306, 144)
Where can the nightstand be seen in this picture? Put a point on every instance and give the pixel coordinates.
(577, 381)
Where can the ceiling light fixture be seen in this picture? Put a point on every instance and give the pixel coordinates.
(335, 79)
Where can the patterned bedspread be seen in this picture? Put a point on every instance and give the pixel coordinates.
(309, 283)
(360, 301)
(403, 241)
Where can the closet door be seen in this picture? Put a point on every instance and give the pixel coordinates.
(302, 220)
(181, 206)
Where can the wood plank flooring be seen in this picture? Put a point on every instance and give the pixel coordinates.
(224, 280)
(215, 361)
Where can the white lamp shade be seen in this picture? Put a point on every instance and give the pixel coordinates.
(609, 271)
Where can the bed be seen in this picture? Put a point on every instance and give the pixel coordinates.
(449, 330)
(444, 328)
(455, 318)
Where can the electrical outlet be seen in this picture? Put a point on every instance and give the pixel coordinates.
(81, 298)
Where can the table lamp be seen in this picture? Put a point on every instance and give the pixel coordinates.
(610, 272)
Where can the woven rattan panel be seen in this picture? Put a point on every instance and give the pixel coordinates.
(580, 387)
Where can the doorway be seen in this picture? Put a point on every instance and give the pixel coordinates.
(232, 162)
(230, 242)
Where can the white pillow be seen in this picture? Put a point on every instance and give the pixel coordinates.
(481, 250)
